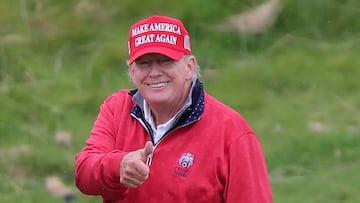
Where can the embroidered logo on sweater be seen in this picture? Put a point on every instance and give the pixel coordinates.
(185, 162)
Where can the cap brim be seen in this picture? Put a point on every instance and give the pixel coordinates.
(171, 53)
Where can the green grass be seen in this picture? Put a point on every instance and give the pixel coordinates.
(297, 85)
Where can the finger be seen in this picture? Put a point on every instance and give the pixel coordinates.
(135, 173)
(131, 183)
(142, 170)
(137, 170)
(148, 148)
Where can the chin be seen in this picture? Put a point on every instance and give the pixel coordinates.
(157, 99)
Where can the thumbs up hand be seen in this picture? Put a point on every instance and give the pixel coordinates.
(133, 169)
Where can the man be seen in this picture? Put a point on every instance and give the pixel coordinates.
(168, 140)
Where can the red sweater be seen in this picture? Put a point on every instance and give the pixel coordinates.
(216, 159)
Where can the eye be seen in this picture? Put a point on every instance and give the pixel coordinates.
(143, 63)
(166, 61)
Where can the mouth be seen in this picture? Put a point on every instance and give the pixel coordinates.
(158, 85)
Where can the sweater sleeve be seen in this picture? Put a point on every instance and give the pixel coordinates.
(248, 180)
(97, 166)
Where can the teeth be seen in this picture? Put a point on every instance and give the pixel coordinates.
(158, 85)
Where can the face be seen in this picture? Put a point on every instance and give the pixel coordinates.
(161, 80)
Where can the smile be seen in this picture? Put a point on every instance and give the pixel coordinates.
(158, 85)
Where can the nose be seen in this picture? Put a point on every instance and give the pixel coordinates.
(155, 70)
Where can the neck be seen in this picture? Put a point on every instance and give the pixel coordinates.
(163, 113)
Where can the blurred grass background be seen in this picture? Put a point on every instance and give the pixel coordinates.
(297, 85)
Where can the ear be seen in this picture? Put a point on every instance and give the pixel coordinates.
(131, 72)
(191, 67)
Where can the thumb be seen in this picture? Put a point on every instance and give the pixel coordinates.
(147, 150)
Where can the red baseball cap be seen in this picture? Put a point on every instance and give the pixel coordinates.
(158, 34)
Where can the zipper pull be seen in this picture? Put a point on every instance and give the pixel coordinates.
(149, 159)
